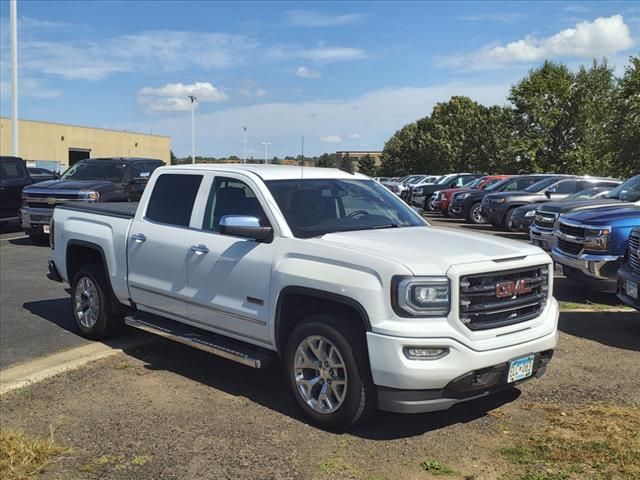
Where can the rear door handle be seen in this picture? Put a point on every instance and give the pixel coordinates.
(138, 237)
(199, 249)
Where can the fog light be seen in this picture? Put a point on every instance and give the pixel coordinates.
(424, 353)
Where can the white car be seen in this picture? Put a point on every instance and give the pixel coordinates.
(367, 306)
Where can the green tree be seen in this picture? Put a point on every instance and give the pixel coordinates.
(367, 166)
(400, 152)
(623, 133)
(327, 160)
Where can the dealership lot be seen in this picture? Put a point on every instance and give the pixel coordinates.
(162, 409)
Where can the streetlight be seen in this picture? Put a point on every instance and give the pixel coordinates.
(266, 149)
(193, 98)
(13, 14)
(244, 130)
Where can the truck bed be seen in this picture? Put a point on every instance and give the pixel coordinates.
(112, 209)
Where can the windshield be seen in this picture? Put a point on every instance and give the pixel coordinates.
(587, 193)
(415, 180)
(475, 183)
(626, 191)
(316, 207)
(541, 185)
(499, 185)
(98, 170)
(444, 179)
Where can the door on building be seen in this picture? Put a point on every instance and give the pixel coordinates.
(77, 154)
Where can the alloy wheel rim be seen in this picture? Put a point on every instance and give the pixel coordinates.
(477, 216)
(320, 374)
(86, 302)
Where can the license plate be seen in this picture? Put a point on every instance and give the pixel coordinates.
(632, 289)
(520, 369)
(45, 228)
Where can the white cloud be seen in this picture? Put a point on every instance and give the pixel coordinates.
(354, 136)
(494, 17)
(172, 97)
(30, 87)
(375, 116)
(317, 54)
(308, 18)
(604, 36)
(261, 92)
(305, 72)
(332, 139)
(164, 51)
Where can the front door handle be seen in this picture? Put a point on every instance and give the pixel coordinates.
(199, 249)
(138, 237)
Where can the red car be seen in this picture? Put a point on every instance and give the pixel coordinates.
(443, 197)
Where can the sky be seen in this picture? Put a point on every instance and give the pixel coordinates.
(345, 75)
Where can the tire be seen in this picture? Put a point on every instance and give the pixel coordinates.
(429, 203)
(39, 239)
(352, 400)
(474, 215)
(506, 223)
(91, 304)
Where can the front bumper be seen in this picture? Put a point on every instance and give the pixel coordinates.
(596, 271)
(494, 212)
(34, 219)
(544, 239)
(521, 223)
(406, 385)
(625, 275)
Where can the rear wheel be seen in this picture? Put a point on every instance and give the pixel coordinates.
(328, 373)
(91, 304)
(475, 215)
(508, 220)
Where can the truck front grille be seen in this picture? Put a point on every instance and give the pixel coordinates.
(545, 221)
(571, 248)
(634, 250)
(497, 299)
(573, 230)
(49, 200)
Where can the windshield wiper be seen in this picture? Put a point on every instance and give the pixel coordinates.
(388, 225)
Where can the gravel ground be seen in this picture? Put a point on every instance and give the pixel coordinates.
(167, 411)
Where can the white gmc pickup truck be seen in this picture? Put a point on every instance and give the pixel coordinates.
(365, 304)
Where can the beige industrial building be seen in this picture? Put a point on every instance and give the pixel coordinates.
(66, 144)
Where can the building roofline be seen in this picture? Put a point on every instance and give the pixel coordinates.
(91, 128)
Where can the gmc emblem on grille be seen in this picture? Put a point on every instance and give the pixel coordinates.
(513, 289)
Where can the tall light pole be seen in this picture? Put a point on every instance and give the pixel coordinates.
(13, 14)
(266, 149)
(193, 99)
(244, 134)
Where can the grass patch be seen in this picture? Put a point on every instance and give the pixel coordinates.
(595, 307)
(24, 457)
(596, 442)
(436, 468)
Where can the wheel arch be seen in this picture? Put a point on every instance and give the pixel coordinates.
(290, 302)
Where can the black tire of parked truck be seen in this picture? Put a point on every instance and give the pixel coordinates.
(343, 353)
(37, 236)
(91, 304)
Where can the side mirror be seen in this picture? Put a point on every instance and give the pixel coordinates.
(244, 226)
(548, 193)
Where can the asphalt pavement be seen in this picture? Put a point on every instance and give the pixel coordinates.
(35, 313)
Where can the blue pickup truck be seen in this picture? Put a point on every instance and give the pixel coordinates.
(591, 245)
(629, 273)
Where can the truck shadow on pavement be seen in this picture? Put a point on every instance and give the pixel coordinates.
(268, 388)
(614, 329)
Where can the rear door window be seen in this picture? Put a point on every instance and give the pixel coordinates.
(172, 199)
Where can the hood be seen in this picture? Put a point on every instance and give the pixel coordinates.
(562, 206)
(412, 247)
(79, 185)
(620, 216)
(526, 208)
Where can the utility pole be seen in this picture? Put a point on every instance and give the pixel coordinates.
(193, 99)
(244, 130)
(13, 14)
(266, 150)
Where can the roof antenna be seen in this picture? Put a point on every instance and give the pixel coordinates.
(302, 160)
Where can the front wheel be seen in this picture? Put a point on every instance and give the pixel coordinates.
(328, 373)
(475, 215)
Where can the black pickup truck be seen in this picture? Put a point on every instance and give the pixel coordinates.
(14, 176)
(116, 179)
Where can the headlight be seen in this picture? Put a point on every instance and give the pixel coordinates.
(597, 239)
(530, 213)
(420, 296)
(498, 200)
(418, 191)
(462, 196)
(90, 196)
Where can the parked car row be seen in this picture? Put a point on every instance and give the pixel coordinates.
(31, 194)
